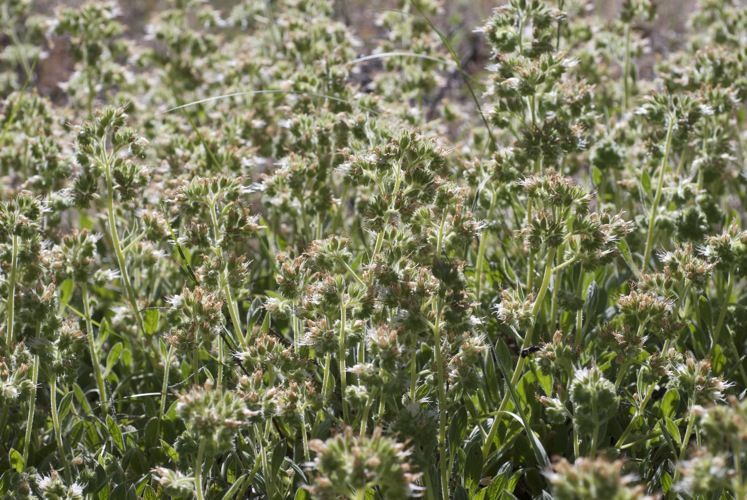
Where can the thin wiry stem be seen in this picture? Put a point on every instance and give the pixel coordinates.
(657, 196)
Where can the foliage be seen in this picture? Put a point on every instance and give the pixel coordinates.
(250, 255)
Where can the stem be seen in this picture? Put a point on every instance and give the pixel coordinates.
(441, 376)
(530, 260)
(364, 416)
(413, 374)
(626, 69)
(527, 342)
(93, 349)
(198, 470)
(642, 407)
(739, 484)
(595, 432)
(10, 308)
(233, 310)
(342, 355)
(165, 383)
(657, 197)
(442, 462)
(326, 377)
(480, 264)
(118, 247)
(58, 429)
(304, 436)
(32, 409)
(724, 306)
(688, 432)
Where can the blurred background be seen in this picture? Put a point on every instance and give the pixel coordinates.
(458, 20)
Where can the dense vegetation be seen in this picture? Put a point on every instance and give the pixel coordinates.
(247, 255)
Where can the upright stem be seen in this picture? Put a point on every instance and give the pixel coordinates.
(686, 437)
(342, 355)
(31, 410)
(518, 370)
(10, 307)
(233, 310)
(58, 429)
(725, 296)
(626, 69)
(165, 382)
(122, 263)
(198, 470)
(657, 197)
(443, 459)
(482, 247)
(93, 349)
(326, 377)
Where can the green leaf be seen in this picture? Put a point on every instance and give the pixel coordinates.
(718, 360)
(705, 310)
(150, 437)
(16, 460)
(66, 292)
(627, 256)
(646, 182)
(66, 404)
(170, 451)
(301, 494)
(596, 175)
(115, 433)
(669, 403)
(80, 397)
(473, 465)
(149, 493)
(539, 451)
(673, 430)
(666, 482)
(457, 426)
(239, 486)
(150, 320)
(113, 357)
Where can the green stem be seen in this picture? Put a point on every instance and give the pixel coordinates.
(198, 470)
(304, 436)
(93, 349)
(724, 305)
(165, 383)
(121, 262)
(657, 197)
(32, 409)
(442, 459)
(626, 69)
(482, 247)
(686, 437)
(441, 376)
(364, 416)
(233, 310)
(413, 374)
(58, 430)
(326, 377)
(10, 307)
(342, 355)
(518, 370)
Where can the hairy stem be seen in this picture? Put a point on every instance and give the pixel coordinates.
(121, 261)
(518, 370)
(233, 310)
(198, 470)
(10, 306)
(657, 196)
(31, 410)
(58, 429)
(93, 349)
